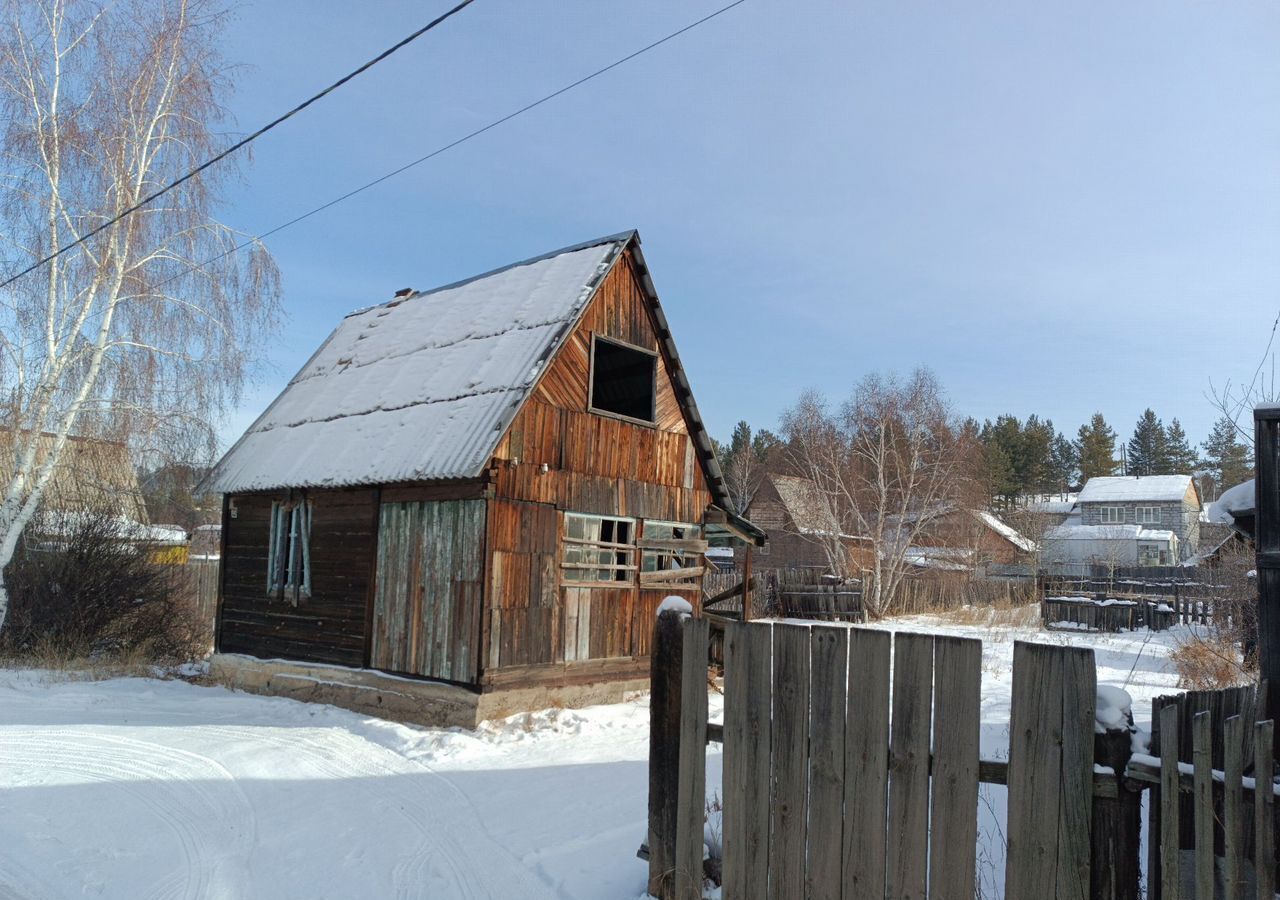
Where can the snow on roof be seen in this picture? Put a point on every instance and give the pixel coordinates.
(1012, 535)
(1076, 532)
(1237, 500)
(1131, 488)
(420, 388)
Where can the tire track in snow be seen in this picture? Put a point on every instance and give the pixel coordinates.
(440, 865)
(169, 781)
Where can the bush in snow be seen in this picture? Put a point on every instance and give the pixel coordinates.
(81, 590)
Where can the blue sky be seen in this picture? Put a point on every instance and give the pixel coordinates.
(1060, 208)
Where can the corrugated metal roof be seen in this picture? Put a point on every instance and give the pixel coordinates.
(421, 388)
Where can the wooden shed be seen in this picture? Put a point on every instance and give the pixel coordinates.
(487, 488)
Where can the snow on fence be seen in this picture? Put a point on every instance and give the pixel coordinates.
(1106, 615)
(837, 736)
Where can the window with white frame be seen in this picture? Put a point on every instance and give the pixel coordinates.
(1113, 515)
(671, 553)
(598, 549)
(1148, 515)
(289, 550)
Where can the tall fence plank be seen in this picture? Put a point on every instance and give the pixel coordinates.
(866, 746)
(1202, 758)
(692, 793)
(1264, 816)
(1050, 772)
(909, 766)
(953, 820)
(666, 664)
(748, 690)
(1170, 806)
(829, 664)
(1233, 810)
(790, 747)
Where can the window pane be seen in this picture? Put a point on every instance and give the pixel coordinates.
(622, 380)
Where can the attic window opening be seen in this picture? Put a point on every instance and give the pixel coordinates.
(623, 380)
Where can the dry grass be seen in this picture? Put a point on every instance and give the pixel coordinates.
(995, 615)
(1209, 662)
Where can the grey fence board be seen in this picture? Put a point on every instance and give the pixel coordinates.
(1053, 689)
(866, 764)
(748, 686)
(1233, 810)
(692, 790)
(829, 648)
(1170, 806)
(1202, 758)
(909, 766)
(1264, 809)
(790, 740)
(953, 820)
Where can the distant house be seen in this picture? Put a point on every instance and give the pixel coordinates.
(92, 476)
(1150, 520)
(487, 488)
(799, 526)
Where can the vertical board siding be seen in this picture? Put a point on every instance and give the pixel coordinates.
(429, 588)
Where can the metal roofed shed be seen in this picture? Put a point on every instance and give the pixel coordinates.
(488, 486)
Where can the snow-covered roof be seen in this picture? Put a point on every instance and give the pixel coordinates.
(1012, 535)
(1237, 500)
(1119, 489)
(1076, 532)
(423, 387)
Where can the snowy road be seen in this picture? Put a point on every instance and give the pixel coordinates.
(144, 789)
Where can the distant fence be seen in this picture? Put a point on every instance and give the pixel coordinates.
(198, 580)
(1107, 615)
(1193, 598)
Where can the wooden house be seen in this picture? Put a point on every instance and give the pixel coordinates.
(799, 527)
(487, 488)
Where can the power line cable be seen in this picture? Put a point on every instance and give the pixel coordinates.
(439, 150)
(244, 141)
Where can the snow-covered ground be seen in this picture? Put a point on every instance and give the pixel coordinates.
(147, 788)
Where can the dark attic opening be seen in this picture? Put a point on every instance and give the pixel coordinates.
(623, 379)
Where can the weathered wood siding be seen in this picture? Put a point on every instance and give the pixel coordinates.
(329, 626)
(595, 464)
(429, 587)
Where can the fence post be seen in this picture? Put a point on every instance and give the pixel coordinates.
(1115, 842)
(666, 660)
(1266, 421)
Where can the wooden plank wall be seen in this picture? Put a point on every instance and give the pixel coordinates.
(426, 608)
(329, 626)
(595, 464)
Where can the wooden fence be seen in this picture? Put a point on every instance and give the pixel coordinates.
(197, 581)
(1107, 615)
(851, 770)
(823, 761)
(1191, 601)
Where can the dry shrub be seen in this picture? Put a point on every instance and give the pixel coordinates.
(80, 590)
(1209, 662)
(996, 615)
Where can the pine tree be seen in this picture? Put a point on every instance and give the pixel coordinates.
(1148, 448)
(1225, 457)
(1064, 463)
(1096, 448)
(1037, 456)
(1181, 457)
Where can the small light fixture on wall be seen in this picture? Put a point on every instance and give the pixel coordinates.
(545, 468)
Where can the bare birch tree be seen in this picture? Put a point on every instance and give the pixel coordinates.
(886, 467)
(142, 333)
